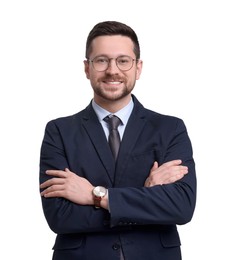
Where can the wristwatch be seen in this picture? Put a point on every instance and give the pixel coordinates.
(98, 193)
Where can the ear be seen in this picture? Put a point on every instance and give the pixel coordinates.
(86, 68)
(138, 69)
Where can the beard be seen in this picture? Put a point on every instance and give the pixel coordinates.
(112, 93)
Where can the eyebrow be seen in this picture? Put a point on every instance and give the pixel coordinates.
(105, 55)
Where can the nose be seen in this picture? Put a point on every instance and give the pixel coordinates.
(112, 67)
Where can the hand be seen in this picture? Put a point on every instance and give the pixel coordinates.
(68, 185)
(168, 172)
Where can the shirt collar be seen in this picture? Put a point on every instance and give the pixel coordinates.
(123, 114)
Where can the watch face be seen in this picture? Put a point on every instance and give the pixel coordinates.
(99, 191)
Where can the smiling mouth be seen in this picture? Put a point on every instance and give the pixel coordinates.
(113, 82)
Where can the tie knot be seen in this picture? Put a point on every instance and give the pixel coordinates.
(113, 121)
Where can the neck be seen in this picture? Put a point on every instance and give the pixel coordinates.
(113, 105)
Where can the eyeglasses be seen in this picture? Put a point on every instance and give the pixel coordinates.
(101, 63)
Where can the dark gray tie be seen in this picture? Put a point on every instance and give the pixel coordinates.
(114, 137)
(114, 141)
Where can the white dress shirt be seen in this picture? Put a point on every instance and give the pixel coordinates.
(123, 114)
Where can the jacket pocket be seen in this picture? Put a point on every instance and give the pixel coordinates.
(68, 241)
(170, 237)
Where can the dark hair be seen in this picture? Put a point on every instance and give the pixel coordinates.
(112, 28)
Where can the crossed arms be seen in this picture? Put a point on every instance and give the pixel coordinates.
(69, 185)
(164, 193)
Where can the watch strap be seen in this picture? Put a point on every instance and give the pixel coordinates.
(97, 201)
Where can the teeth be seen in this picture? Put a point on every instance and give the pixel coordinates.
(113, 82)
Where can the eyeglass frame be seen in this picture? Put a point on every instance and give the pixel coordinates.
(109, 59)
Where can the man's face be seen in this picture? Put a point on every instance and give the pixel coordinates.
(112, 84)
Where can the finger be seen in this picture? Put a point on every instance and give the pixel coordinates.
(174, 178)
(57, 173)
(155, 166)
(172, 163)
(147, 183)
(52, 189)
(165, 169)
(168, 175)
(177, 175)
(181, 169)
(53, 194)
(173, 171)
(51, 182)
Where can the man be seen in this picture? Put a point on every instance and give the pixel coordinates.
(123, 207)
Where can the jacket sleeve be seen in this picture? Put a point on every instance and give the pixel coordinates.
(62, 215)
(168, 204)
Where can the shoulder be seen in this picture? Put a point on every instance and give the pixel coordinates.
(65, 119)
(155, 118)
(69, 121)
(165, 123)
(73, 119)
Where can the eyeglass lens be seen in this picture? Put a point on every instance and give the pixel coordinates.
(101, 63)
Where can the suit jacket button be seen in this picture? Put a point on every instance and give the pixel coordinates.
(116, 246)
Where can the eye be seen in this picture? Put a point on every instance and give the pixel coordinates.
(100, 60)
(123, 60)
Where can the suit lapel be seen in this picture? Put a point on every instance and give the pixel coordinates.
(133, 129)
(98, 138)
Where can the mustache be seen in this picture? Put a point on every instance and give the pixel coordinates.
(112, 78)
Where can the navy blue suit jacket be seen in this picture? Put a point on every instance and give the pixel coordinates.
(142, 221)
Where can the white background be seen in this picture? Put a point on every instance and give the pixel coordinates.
(187, 49)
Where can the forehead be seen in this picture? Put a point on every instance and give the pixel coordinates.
(112, 46)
